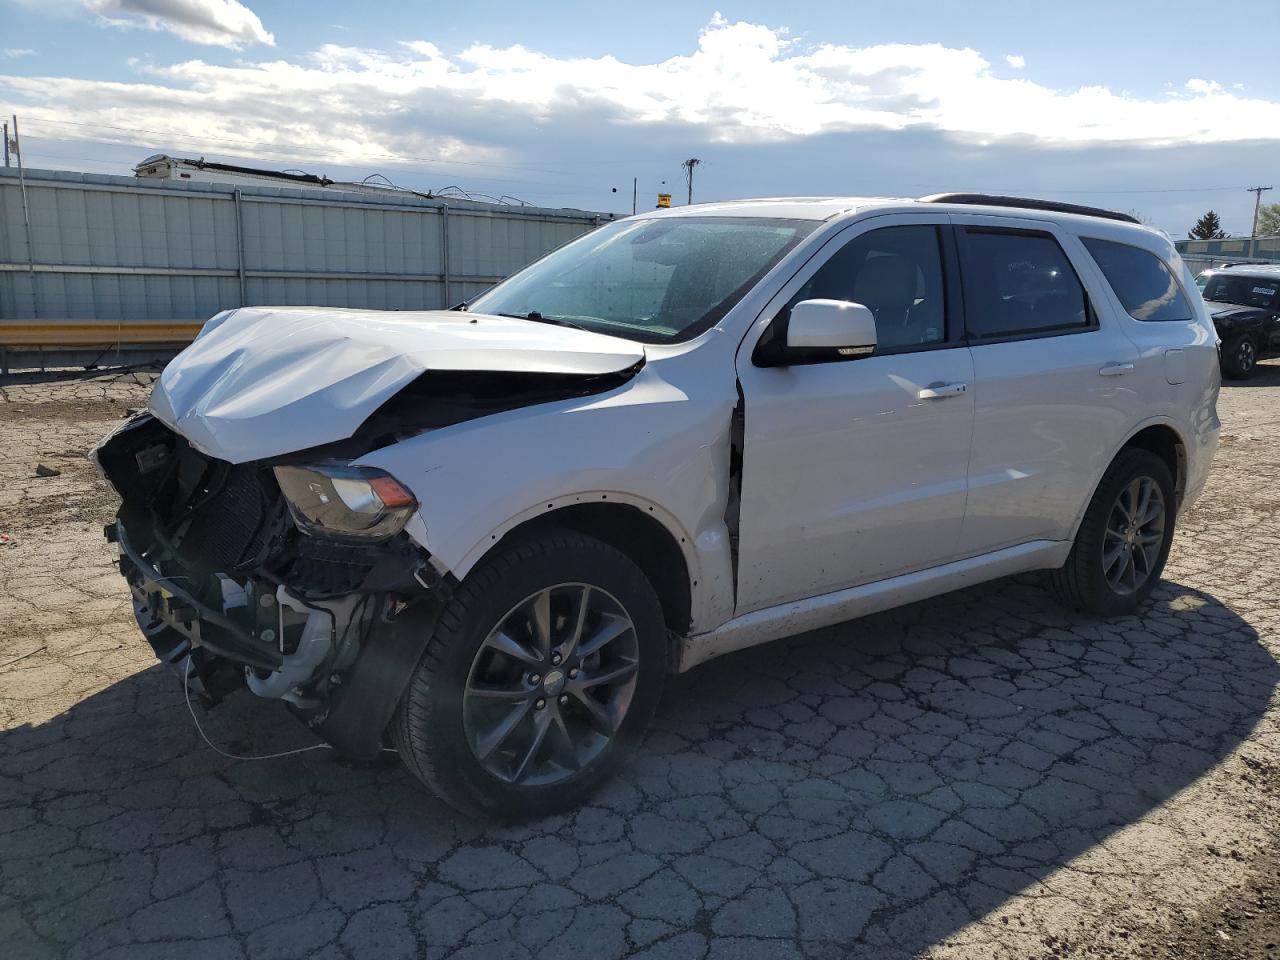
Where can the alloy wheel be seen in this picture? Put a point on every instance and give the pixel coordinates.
(551, 684)
(1246, 355)
(1134, 536)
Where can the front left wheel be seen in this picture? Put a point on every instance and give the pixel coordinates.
(542, 674)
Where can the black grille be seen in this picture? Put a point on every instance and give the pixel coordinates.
(230, 525)
(328, 567)
(216, 516)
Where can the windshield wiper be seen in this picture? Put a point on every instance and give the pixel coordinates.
(538, 317)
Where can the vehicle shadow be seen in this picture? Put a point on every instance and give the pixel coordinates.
(62, 375)
(860, 791)
(1265, 374)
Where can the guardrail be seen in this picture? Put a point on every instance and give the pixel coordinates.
(59, 343)
(100, 334)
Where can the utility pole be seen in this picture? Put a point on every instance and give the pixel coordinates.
(1253, 231)
(26, 217)
(6, 143)
(635, 188)
(688, 174)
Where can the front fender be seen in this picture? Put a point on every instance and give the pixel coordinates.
(685, 537)
(650, 444)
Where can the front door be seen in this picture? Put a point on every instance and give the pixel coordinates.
(854, 470)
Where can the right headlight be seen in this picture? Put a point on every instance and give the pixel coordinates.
(333, 499)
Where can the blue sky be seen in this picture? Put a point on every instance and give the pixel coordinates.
(1156, 107)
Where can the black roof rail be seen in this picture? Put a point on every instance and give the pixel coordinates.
(1026, 203)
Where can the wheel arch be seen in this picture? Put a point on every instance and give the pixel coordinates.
(1159, 436)
(1167, 443)
(641, 531)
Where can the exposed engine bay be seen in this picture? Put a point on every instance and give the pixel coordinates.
(293, 575)
(230, 591)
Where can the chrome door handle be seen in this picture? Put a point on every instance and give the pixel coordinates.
(1115, 369)
(940, 391)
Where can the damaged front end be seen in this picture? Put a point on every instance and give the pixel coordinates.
(294, 580)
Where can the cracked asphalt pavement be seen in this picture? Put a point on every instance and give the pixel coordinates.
(980, 776)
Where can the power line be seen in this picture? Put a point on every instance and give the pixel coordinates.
(1021, 190)
(1159, 190)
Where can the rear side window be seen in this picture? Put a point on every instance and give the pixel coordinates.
(1019, 282)
(1141, 281)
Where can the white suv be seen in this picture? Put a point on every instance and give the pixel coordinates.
(485, 535)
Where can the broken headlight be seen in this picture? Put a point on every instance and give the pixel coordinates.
(346, 501)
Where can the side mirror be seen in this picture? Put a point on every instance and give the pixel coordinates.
(847, 328)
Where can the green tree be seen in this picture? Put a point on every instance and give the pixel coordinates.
(1208, 227)
(1269, 220)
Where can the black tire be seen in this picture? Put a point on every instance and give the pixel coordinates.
(1081, 582)
(1239, 357)
(429, 729)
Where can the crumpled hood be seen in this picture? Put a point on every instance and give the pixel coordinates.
(1226, 313)
(265, 381)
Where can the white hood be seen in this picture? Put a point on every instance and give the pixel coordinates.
(262, 381)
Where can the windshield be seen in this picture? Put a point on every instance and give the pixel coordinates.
(656, 281)
(1246, 291)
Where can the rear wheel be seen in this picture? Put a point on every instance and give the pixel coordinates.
(1239, 357)
(1124, 539)
(543, 672)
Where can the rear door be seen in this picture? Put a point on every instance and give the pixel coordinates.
(854, 469)
(1053, 380)
(1175, 346)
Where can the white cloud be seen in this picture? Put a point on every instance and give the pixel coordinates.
(224, 23)
(14, 52)
(1017, 61)
(1204, 87)
(744, 83)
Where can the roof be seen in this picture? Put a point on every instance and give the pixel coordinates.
(783, 208)
(824, 208)
(1029, 203)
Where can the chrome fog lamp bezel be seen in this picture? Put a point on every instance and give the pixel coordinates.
(345, 501)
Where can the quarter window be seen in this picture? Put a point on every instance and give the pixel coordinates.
(1141, 281)
(1019, 282)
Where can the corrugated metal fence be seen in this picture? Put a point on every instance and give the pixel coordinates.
(109, 249)
(1202, 254)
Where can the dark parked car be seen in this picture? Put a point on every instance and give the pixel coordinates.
(1244, 302)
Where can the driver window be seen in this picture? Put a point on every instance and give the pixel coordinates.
(896, 272)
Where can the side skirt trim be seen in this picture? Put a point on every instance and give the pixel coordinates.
(788, 619)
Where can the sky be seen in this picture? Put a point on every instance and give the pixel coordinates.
(1153, 107)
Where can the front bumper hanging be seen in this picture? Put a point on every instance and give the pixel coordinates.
(164, 604)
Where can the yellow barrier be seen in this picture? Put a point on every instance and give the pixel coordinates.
(95, 334)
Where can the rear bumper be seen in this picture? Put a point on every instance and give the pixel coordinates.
(1198, 466)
